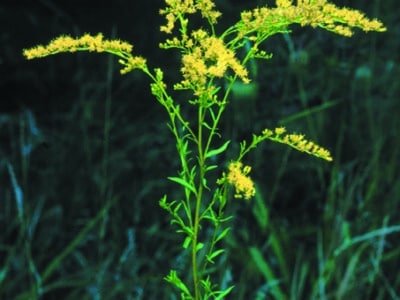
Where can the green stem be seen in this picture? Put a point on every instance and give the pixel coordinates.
(199, 196)
(194, 244)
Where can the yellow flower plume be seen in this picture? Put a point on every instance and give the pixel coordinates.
(296, 141)
(315, 13)
(90, 43)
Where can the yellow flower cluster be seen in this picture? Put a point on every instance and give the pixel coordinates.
(209, 57)
(296, 141)
(315, 13)
(132, 62)
(176, 9)
(237, 176)
(89, 43)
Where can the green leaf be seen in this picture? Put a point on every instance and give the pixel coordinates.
(184, 183)
(184, 229)
(176, 209)
(199, 246)
(267, 271)
(163, 203)
(211, 216)
(204, 182)
(222, 294)
(176, 281)
(260, 211)
(206, 126)
(261, 263)
(212, 167)
(213, 116)
(218, 150)
(210, 258)
(222, 234)
(187, 242)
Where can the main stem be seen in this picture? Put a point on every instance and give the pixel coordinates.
(199, 197)
(194, 244)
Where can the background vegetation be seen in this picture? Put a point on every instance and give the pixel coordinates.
(84, 154)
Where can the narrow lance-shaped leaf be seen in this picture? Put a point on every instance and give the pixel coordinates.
(218, 150)
(184, 183)
(210, 258)
(222, 234)
(222, 294)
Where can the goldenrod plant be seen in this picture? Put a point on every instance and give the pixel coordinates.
(210, 66)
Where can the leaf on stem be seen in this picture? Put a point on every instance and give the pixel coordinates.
(210, 168)
(175, 280)
(222, 234)
(187, 242)
(199, 246)
(184, 183)
(218, 150)
(210, 258)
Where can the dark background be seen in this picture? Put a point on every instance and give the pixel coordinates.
(75, 136)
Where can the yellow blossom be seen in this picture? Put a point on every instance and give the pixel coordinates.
(237, 176)
(280, 130)
(206, 7)
(267, 132)
(208, 58)
(131, 63)
(170, 23)
(283, 3)
(91, 43)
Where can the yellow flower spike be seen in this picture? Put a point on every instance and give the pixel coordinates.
(90, 43)
(296, 141)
